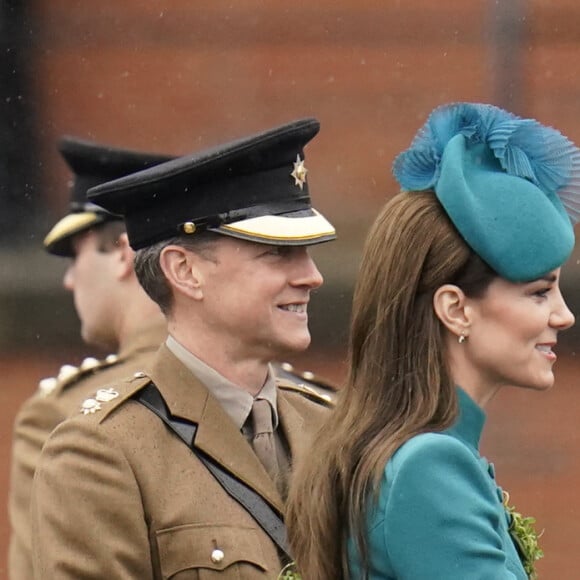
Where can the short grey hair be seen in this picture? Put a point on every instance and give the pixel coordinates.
(150, 274)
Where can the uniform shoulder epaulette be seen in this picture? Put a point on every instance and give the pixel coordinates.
(106, 399)
(70, 374)
(306, 382)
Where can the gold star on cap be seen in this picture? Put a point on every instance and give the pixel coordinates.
(299, 173)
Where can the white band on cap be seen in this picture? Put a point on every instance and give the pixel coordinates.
(276, 227)
(70, 224)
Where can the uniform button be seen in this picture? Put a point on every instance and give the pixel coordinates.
(66, 372)
(308, 375)
(217, 556)
(46, 386)
(188, 228)
(286, 366)
(112, 358)
(139, 375)
(89, 363)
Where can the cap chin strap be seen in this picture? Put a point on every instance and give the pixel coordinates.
(237, 215)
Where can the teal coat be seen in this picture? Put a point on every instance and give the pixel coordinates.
(440, 514)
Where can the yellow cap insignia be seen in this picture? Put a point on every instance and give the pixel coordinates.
(299, 173)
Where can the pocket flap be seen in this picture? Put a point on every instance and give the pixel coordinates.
(194, 546)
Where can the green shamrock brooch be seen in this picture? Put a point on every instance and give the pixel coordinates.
(525, 537)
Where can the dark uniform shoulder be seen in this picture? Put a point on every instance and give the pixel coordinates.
(305, 382)
(68, 375)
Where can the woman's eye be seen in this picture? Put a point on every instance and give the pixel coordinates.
(542, 292)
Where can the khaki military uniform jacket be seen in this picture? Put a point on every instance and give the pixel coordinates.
(118, 496)
(59, 398)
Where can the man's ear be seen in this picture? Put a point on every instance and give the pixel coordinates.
(182, 270)
(449, 303)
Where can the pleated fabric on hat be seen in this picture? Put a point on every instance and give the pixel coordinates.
(511, 186)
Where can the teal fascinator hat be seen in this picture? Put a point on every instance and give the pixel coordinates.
(511, 186)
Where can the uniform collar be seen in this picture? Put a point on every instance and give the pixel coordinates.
(236, 402)
(470, 422)
(217, 436)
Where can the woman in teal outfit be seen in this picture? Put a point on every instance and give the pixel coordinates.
(458, 296)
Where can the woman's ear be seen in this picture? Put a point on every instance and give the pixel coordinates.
(449, 303)
(181, 268)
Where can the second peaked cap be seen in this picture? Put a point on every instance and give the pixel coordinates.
(91, 164)
(254, 188)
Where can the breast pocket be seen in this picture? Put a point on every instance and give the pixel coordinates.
(206, 552)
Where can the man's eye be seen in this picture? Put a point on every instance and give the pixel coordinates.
(277, 251)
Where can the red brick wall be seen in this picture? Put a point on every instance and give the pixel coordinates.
(176, 79)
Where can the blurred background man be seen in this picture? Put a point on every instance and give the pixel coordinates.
(114, 312)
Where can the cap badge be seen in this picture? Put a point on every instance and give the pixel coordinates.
(299, 173)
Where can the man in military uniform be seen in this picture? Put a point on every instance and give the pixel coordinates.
(181, 470)
(114, 311)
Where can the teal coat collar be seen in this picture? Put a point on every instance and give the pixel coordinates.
(470, 422)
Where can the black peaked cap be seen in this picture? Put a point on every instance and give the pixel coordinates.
(229, 189)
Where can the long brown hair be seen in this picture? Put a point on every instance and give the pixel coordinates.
(398, 383)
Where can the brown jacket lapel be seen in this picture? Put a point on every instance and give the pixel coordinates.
(217, 436)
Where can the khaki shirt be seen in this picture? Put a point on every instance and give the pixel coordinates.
(56, 399)
(117, 495)
(236, 402)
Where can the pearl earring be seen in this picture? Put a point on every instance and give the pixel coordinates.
(461, 339)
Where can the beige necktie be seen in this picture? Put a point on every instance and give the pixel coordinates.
(263, 439)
